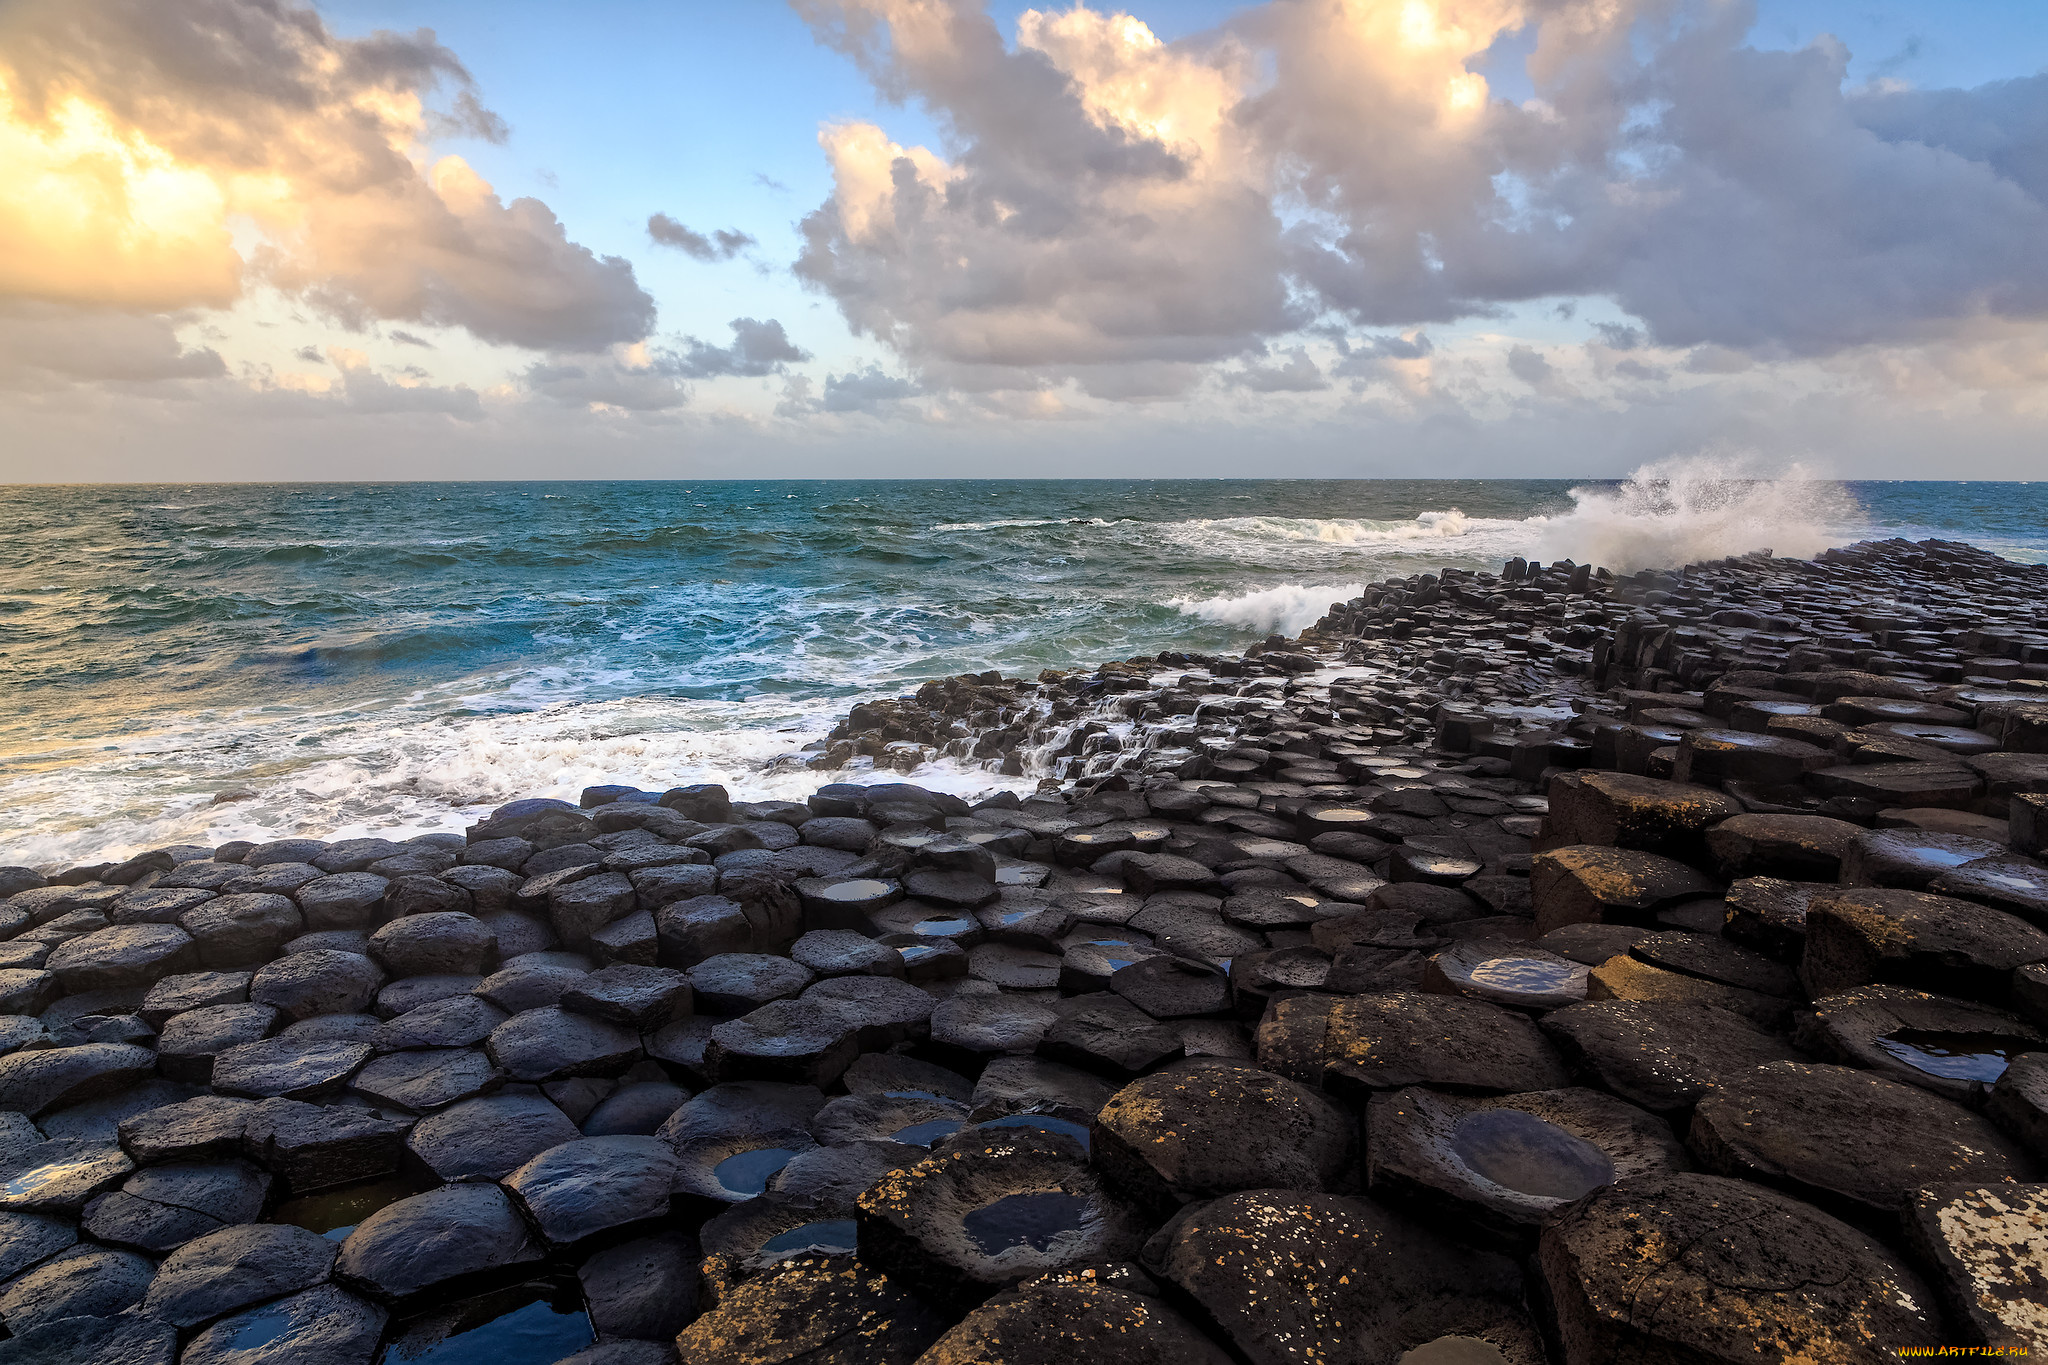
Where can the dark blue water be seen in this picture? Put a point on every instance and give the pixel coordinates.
(205, 663)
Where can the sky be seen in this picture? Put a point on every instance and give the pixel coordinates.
(396, 239)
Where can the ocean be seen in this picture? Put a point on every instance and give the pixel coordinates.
(192, 664)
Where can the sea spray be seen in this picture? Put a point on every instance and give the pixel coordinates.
(1699, 507)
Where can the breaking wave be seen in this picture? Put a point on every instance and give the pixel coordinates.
(1288, 608)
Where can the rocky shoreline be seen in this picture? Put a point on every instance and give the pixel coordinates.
(1544, 966)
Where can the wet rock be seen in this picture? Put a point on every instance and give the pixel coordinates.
(85, 1281)
(34, 1083)
(645, 1288)
(1844, 1138)
(1630, 978)
(409, 993)
(1168, 987)
(442, 943)
(1857, 936)
(1295, 1275)
(273, 879)
(1109, 1035)
(729, 1140)
(1086, 1324)
(841, 952)
(553, 1044)
(285, 1068)
(1622, 811)
(734, 983)
(883, 1071)
(1694, 1267)
(1712, 958)
(457, 1021)
(324, 981)
(1584, 883)
(1195, 1133)
(972, 1028)
(162, 1207)
(881, 1010)
(205, 1126)
(639, 1107)
(242, 930)
(423, 1081)
(350, 900)
(907, 1118)
(1398, 1039)
(1952, 1047)
(1500, 972)
(435, 1241)
(59, 1176)
(1769, 914)
(594, 1185)
(176, 994)
(489, 1137)
(587, 905)
(123, 956)
(191, 1041)
(640, 997)
(2018, 1103)
(120, 1340)
(416, 894)
(803, 1042)
(1660, 1055)
(28, 1239)
(1592, 944)
(2010, 884)
(1985, 1245)
(804, 1311)
(1796, 847)
(990, 1213)
(534, 981)
(316, 1147)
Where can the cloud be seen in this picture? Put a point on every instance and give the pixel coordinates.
(1529, 366)
(722, 245)
(1299, 375)
(634, 378)
(1106, 208)
(758, 348)
(310, 355)
(50, 346)
(408, 339)
(136, 134)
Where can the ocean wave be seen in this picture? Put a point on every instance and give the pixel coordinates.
(1288, 608)
(1020, 523)
(1449, 524)
(1699, 507)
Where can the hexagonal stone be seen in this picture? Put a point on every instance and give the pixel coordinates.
(425, 1080)
(1107, 1034)
(1402, 1038)
(205, 1126)
(1294, 1275)
(582, 907)
(640, 997)
(1618, 810)
(1846, 1138)
(60, 1175)
(1952, 1047)
(1660, 1055)
(1055, 1323)
(553, 1044)
(160, 1208)
(125, 1339)
(125, 955)
(316, 1147)
(242, 930)
(25, 990)
(324, 981)
(1498, 1166)
(287, 1068)
(349, 900)
(442, 943)
(189, 1042)
(436, 1240)
(991, 1212)
(729, 1140)
(734, 983)
(324, 1325)
(27, 1239)
(85, 1281)
(807, 1308)
(1502, 972)
(176, 994)
(1585, 883)
(882, 1010)
(534, 980)
(1197, 1132)
(594, 1185)
(34, 1083)
(803, 1042)
(457, 1021)
(1695, 1267)
(490, 1137)
(409, 993)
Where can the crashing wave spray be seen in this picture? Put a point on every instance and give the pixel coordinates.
(1699, 507)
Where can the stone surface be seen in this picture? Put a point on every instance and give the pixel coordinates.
(324, 981)
(1660, 1055)
(434, 1241)
(1400, 1038)
(1699, 1268)
(324, 1325)
(553, 1044)
(806, 1311)
(285, 1068)
(1199, 1132)
(490, 1137)
(594, 1185)
(1086, 1324)
(33, 1083)
(230, 1269)
(85, 1281)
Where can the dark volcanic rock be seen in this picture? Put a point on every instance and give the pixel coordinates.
(458, 1021)
(125, 955)
(205, 1126)
(1698, 1268)
(553, 1044)
(807, 1311)
(33, 1083)
(285, 1068)
(1198, 1132)
(1661, 1055)
(645, 1288)
(228, 1270)
(1846, 1138)
(732, 1138)
(163, 1207)
(490, 1137)
(1983, 1244)
(805, 1042)
(124, 1339)
(324, 981)
(443, 943)
(436, 1240)
(1386, 1042)
(594, 1185)
(1952, 1047)
(316, 1147)
(1073, 1324)
(86, 1281)
(1293, 1275)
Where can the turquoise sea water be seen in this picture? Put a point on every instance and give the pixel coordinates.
(198, 663)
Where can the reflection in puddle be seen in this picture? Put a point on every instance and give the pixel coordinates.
(536, 1323)
(926, 1133)
(1531, 974)
(835, 1235)
(1043, 1123)
(1454, 1350)
(1034, 1220)
(334, 1214)
(1516, 1149)
(259, 1327)
(1956, 1056)
(939, 928)
(745, 1174)
(863, 890)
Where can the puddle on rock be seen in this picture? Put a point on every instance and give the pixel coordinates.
(1043, 1123)
(745, 1174)
(536, 1323)
(862, 890)
(831, 1237)
(942, 928)
(1532, 975)
(334, 1214)
(1035, 1220)
(258, 1327)
(1514, 1148)
(926, 1133)
(1454, 1350)
(1956, 1056)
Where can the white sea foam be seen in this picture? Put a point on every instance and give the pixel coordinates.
(1288, 608)
(1697, 507)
